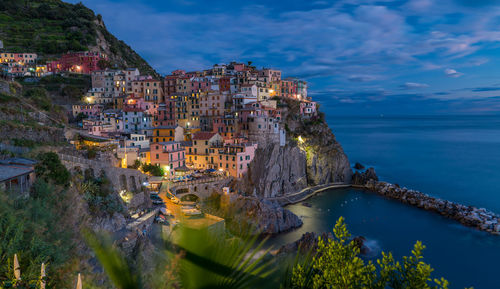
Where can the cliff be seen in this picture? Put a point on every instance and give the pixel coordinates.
(311, 156)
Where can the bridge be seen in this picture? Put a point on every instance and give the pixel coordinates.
(202, 188)
(121, 178)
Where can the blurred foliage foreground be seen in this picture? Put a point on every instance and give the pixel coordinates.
(200, 259)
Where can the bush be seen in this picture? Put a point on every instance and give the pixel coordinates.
(99, 195)
(154, 170)
(337, 265)
(40, 97)
(50, 169)
(36, 230)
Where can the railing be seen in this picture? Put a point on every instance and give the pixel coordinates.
(199, 181)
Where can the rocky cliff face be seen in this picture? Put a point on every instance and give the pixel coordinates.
(311, 156)
(256, 216)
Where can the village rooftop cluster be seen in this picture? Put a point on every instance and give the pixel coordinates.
(213, 119)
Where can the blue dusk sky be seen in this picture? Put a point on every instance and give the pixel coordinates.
(359, 56)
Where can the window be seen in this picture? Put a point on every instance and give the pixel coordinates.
(157, 156)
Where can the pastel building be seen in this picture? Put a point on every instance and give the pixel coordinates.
(169, 154)
(77, 62)
(198, 152)
(308, 108)
(88, 110)
(234, 159)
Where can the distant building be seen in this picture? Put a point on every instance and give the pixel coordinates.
(78, 62)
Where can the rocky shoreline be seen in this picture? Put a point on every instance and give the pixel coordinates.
(479, 218)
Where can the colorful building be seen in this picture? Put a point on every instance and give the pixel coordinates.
(169, 154)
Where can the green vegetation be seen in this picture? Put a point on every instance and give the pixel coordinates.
(33, 229)
(337, 265)
(47, 27)
(204, 259)
(39, 96)
(197, 259)
(69, 88)
(21, 142)
(137, 164)
(98, 193)
(53, 27)
(50, 169)
(154, 170)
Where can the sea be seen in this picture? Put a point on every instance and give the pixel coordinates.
(452, 157)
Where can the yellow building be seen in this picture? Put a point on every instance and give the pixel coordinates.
(198, 153)
(164, 133)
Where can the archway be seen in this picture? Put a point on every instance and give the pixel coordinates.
(190, 198)
(133, 185)
(123, 182)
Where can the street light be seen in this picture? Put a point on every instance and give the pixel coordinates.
(88, 99)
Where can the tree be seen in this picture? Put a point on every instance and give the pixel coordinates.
(154, 170)
(51, 169)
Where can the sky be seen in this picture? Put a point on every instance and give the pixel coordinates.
(360, 57)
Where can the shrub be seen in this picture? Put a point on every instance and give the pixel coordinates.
(51, 169)
(40, 97)
(154, 170)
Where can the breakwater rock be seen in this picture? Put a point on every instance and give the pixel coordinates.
(479, 218)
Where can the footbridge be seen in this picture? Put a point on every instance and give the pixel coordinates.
(202, 188)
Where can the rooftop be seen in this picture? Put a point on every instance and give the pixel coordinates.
(203, 135)
(8, 171)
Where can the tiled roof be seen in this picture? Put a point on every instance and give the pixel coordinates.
(203, 135)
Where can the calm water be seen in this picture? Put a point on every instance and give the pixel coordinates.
(457, 158)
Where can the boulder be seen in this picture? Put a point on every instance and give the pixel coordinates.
(359, 166)
(362, 178)
(263, 216)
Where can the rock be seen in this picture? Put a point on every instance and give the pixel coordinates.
(280, 170)
(481, 218)
(264, 216)
(359, 166)
(359, 242)
(307, 243)
(363, 178)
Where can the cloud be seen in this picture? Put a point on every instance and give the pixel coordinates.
(362, 78)
(414, 85)
(485, 89)
(452, 72)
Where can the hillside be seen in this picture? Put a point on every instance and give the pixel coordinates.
(53, 27)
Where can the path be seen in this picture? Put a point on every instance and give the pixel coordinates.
(307, 193)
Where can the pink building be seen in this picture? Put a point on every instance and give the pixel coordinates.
(235, 159)
(134, 101)
(199, 84)
(168, 154)
(77, 62)
(165, 114)
(308, 108)
(89, 110)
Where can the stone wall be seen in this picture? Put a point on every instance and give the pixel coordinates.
(122, 179)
